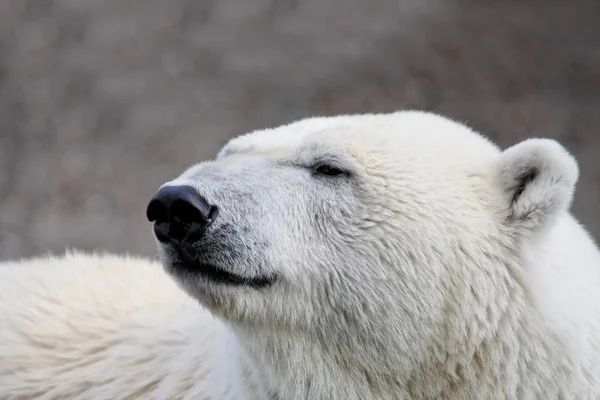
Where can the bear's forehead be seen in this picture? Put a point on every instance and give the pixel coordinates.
(403, 134)
(287, 140)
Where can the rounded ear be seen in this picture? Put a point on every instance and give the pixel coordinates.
(539, 177)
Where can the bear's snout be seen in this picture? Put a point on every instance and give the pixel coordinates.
(180, 214)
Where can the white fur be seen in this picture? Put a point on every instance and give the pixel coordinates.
(442, 268)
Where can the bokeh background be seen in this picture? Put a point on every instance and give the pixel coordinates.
(101, 101)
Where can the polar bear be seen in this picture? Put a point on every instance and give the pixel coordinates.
(384, 256)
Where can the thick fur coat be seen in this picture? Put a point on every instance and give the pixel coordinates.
(396, 256)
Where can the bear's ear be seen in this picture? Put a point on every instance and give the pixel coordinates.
(539, 177)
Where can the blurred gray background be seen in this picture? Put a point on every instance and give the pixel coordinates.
(101, 101)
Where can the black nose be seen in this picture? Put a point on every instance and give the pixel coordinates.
(180, 214)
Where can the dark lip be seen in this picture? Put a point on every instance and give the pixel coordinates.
(220, 275)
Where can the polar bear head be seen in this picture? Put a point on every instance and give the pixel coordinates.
(400, 235)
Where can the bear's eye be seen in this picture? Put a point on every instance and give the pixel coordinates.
(329, 170)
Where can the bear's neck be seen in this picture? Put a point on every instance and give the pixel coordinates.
(519, 355)
(295, 367)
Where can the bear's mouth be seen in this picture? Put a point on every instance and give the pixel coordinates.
(219, 275)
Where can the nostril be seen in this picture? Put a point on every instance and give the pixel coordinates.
(187, 221)
(196, 231)
(156, 211)
(197, 228)
(185, 212)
